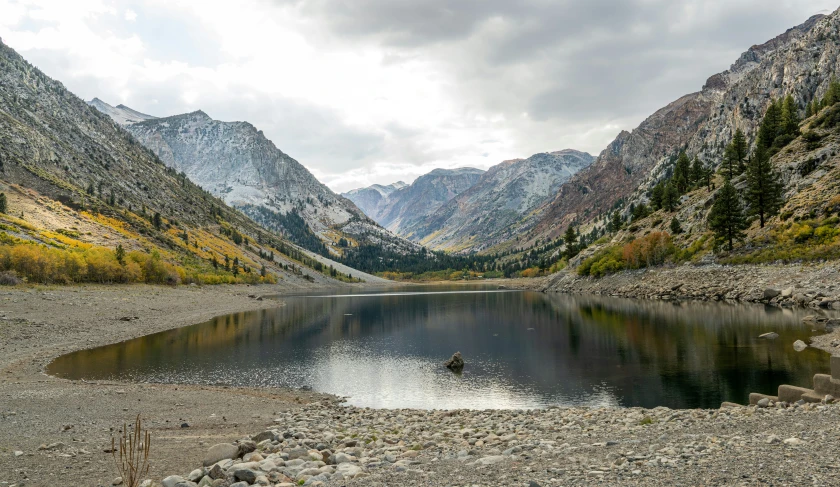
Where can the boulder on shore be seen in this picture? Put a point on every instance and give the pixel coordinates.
(456, 362)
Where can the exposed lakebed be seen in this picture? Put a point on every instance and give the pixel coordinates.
(522, 349)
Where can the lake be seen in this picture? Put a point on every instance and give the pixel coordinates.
(522, 350)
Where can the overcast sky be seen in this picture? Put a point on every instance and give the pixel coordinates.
(374, 91)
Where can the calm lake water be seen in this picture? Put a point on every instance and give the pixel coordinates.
(523, 350)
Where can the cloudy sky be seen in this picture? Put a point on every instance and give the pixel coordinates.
(374, 91)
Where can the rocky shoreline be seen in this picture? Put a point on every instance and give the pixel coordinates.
(814, 286)
(55, 432)
(326, 444)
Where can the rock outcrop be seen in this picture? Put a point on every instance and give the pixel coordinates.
(455, 363)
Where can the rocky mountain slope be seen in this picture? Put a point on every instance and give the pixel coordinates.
(402, 210)
(77, 182)
(489, 211)
(800, 62)
(237, 163)
(120, 113)
(372, 198)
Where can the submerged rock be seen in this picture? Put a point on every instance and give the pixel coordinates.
(769, 336)
(456, 362)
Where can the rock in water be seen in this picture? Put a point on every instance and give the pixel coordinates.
(769, 336)
(456, 362)
(799, 345)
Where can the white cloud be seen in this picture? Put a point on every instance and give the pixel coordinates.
(385, 89)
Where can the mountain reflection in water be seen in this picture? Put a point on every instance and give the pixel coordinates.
(522, 349)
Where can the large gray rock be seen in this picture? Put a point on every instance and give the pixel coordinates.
(173, 480)
(219, 452)
(771, 293)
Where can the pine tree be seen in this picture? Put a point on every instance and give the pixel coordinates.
(119, 253)
(616, 222)
(832, 94)
(675, 226)
(790, 117)
(764, 189)
(671, 199)
(570, 239)
(726, 218)
(682, 177)
(640, 211)
(739, 149)
(769, 129)
(4, 205)
(697, 172)
(809, 109)
(156, 220)
(656, 195)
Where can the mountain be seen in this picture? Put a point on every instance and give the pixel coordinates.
(489, 211)
(237, 163)
(800, 62)
(81, 185)
(370, 199)
(120, 113)
(402, 209)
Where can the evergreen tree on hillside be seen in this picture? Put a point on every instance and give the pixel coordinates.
(570, 238)
(119, 254)
(697, 172)
(764, 188)
(682, 173)
(671, 199)
(790, 117)
(656, 195)
(769, 129)
(676, 228)
(832, 95)
(739, 149)
(726, 218)
(4, 205)
(157, 221)
(616, 222)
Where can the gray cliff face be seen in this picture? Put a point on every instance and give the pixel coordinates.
(485, 213)
(236, 162)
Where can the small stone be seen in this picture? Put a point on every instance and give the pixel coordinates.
(793, 441)
(772, 440)
(117, 481)
(18, 453)
(799, 345)
(763, 403)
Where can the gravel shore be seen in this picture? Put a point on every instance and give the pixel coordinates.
(800, 285)
(55, 432)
